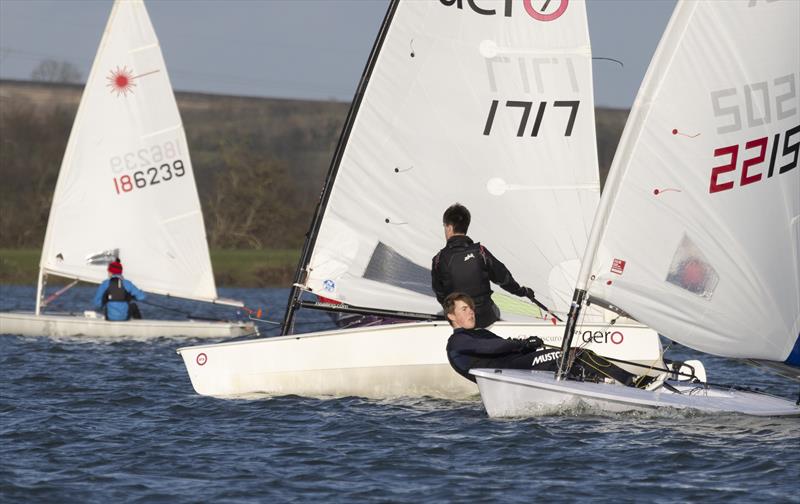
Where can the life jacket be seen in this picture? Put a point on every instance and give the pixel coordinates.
(116, 291)
(463, 269)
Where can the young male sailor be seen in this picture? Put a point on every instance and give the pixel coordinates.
(115, 293)
(470, 347)
(468, 267)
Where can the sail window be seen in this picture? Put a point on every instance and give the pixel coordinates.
(387, 266)
(690, 271)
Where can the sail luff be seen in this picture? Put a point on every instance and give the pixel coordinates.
(71, 144)
(319, 211)
(630, 136)
(698, 235)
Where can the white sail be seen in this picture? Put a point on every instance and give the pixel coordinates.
(488, 104)
(698, 231)
(126, 184)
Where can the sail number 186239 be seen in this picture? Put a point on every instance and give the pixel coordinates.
(148, 166)
(152, 176)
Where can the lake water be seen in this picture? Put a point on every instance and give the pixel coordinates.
(100, 421)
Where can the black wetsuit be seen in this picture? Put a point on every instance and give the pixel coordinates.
(478, 348)
(465, 266)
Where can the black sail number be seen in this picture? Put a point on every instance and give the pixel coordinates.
(526, 108)
(166, 170)
(142, 179)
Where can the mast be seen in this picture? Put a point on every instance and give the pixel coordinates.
(630, 135)
(40, 291)
(293, 302)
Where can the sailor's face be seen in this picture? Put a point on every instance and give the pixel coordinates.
(463, 316)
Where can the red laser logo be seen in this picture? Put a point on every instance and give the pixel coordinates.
(120, 80)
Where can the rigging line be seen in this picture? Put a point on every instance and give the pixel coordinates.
(672, 372)
(164, 307)
(543, 307)
(242, 337)
(661, 353)
(264, 320)
(650, 367)
(609, 59)
(53, 297)
(188, 314)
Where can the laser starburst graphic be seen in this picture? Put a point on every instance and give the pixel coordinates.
(120, 81)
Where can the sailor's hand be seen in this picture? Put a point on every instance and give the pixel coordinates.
(532, 343)
(529, 293)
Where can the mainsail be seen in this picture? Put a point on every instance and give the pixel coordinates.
(126, 185)
(489, 105)
(698, 230)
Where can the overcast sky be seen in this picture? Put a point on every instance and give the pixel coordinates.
(289, 48)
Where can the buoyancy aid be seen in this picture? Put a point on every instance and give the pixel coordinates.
(116, 291)
(463, 268)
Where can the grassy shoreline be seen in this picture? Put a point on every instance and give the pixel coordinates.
(232, 268)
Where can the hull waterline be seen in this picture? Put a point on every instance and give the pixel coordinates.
(377, 362)
(66, 325)
(518, 393)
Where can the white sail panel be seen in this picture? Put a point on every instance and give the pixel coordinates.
(488, 104)
(700, 223)
(126, 180)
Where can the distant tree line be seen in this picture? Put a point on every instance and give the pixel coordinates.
(259, 163)
(51, 70)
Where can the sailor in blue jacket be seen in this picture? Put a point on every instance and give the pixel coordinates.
(114, 295)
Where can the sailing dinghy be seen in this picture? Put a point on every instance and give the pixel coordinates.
(126, 189)
(491, 107)
(698, 230)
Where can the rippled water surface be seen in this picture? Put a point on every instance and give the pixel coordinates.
(118, 421)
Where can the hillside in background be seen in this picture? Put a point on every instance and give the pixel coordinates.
(259, 162)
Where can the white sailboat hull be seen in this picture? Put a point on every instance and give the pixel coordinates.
(67, 325)
(378, 362)
(521, 393)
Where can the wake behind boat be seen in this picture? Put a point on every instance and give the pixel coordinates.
(126, 189)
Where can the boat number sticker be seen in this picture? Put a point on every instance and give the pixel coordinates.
(148, 166)
(201, 359)
(618, 266)
(539, 14)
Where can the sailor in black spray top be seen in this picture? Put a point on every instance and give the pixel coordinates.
(470, 347)
(468, 267)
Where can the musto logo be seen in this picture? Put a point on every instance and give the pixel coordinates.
(614, 337)
(540, 10)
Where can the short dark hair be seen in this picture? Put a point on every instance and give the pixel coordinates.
(457, 216)
(450, 303)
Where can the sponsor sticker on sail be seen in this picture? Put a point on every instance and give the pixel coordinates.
(618, 266)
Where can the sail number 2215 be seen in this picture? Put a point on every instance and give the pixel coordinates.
(752, 168)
